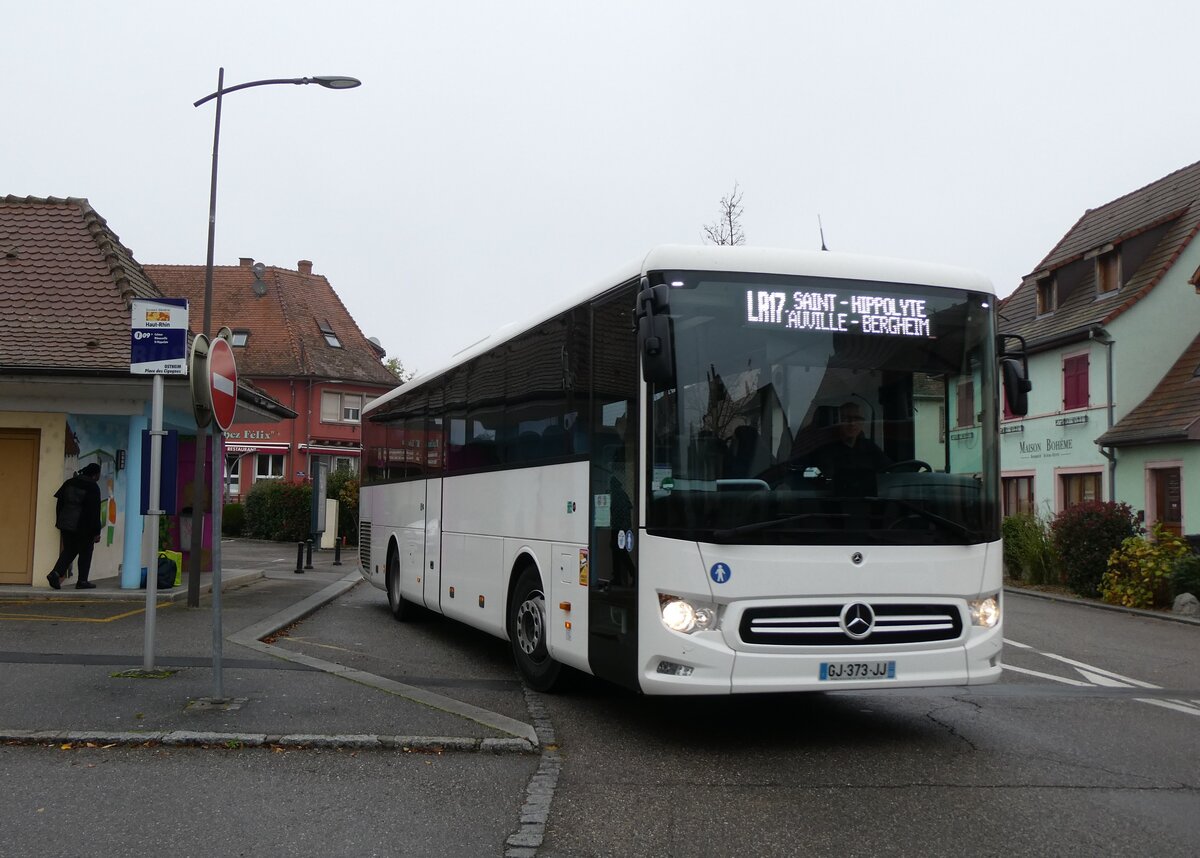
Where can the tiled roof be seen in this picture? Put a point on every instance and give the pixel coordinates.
(284, 321)
(1170, 413)
(1151, 226)
(65, 284)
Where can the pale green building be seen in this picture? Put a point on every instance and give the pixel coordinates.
(1111, 317)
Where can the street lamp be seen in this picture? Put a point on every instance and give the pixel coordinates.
(198, 488)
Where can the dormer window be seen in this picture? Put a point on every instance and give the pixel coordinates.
(1108, 269)
(240, 337)
(1047, 295)
(331, 338)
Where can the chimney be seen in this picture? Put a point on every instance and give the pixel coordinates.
(304, 266)
(245, 261)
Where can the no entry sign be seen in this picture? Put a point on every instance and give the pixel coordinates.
(222, 382)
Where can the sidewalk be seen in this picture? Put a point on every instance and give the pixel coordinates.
(73, 666)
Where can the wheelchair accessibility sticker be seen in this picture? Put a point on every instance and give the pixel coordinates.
(720, 573)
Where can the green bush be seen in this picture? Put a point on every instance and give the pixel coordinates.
(1028, 554)
(279, 511)
(1139, 572)
(343, 487)
(1185, 576)
(233, 519)
(1084, 537)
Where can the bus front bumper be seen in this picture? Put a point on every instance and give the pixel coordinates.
(703, 664)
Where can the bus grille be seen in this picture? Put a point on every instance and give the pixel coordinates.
(819, 625)
(364, 546)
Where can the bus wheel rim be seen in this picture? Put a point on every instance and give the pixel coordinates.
(530, 624)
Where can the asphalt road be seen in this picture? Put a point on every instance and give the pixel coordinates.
(1089, 746)
(1073, 753)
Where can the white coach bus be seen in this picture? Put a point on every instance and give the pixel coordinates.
(722, 470)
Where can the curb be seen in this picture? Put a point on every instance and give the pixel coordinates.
(195, 739)
(231, 579)
(252, 638)
(1103, 606)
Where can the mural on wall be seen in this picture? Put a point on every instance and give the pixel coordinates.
(97, 439)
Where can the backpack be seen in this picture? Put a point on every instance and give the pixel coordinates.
(70, 506)
(167, 571)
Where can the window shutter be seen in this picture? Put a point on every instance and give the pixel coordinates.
(1075, 382)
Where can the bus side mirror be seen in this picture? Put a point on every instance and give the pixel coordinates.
(654, 334)
(1016, 385)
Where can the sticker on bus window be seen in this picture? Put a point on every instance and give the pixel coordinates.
(602, 504)
(583, 567)
(661, 479)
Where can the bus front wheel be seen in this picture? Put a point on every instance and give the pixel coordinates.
(401, 609)
(527, 630)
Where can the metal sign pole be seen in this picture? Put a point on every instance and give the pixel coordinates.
(153, 512)
(218, 457)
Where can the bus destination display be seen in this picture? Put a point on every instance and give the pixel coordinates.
(833, 312)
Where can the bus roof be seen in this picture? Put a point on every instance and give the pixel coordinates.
(750, 260)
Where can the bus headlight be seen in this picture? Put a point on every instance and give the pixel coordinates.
(682, 615)
(985, 612)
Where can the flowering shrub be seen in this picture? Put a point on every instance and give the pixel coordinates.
(1139, 572)
(1084, 536)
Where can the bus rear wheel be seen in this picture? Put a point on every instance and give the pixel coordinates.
(527, 630)
(401, 609)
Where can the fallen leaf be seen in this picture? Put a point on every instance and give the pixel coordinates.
(65, 747)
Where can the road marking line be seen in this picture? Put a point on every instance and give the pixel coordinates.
(1174, 705)
(1038, 673)
(61, 619)
(1082, 667)
(1105, 678)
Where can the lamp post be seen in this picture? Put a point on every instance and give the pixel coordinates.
(202, 433)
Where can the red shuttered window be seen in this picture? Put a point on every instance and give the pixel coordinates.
(1075, 382)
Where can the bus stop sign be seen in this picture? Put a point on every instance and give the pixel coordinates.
(222, 382)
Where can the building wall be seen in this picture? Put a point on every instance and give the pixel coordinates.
(1154, 332)
(67, 443)
(1135, 488)
(1051, 442)
(292, 438)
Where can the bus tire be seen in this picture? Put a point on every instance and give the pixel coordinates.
(401, 609)
(527, 631)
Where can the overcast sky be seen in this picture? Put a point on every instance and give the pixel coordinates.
(499, 154)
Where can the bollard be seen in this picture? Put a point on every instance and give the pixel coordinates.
(337, 552)
(308, 561)
(299, 558)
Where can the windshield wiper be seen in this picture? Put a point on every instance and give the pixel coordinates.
(730, 532)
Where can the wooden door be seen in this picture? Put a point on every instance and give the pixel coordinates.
(1168, 504)
(18, 503)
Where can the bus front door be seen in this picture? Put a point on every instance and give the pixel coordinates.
(431, 574)
(613, 580)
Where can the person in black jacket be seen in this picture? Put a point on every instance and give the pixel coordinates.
(849, 450)
(78, 517)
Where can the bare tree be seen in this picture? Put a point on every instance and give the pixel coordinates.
(728, 228)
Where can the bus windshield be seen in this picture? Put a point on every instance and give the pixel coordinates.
(808, 410)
